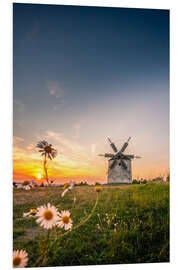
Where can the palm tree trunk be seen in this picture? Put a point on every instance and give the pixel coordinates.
(45, 169)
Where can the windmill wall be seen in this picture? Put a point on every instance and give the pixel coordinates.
(120, 175)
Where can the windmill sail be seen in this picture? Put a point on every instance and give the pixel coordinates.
(123, 164)
(125, 145)
(109, 155)
(113, 164)
(112, 145)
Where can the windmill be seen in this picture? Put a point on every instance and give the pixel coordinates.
(119, 170)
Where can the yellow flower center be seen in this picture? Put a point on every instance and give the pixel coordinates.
(16, 261)
(48, 215)
(48, 149)
(98, 189)
(33, 211)
(66, 186)
(65, 219)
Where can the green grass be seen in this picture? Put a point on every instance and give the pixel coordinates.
(141, 235)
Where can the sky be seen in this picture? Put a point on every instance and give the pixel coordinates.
(81, 74)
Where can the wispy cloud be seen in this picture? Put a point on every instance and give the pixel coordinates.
(77, 128)
(17, 139)
(73, 161)
(93, 148)
(19, 105)
(52, 92)
(67, 147)
(55, 89)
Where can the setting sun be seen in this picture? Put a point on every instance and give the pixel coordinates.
(39, 176)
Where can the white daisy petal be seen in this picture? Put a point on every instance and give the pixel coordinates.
(20, 258)
(64, 220)
(25, 214)
(47, 216)
(64, 192)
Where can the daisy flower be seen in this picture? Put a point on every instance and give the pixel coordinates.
(46, 149)
(19, 186)
(65, 221)
(98, 189)
(31, 184)
(31, 213)
(20, 258)
(66, 187)
(27, 187)
(47, 216)
(64, 192)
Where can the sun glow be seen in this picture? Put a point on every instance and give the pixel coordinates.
(77, 164)
(39, 176)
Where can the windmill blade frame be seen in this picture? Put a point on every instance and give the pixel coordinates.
(123, 148)
(123, 164)
(113, 164)
(112, 145)
(125, 145)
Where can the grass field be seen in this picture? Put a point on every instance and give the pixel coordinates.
(129, 225)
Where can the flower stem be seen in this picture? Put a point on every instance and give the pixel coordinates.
(86, 219)
(43, 256)
(45, 169)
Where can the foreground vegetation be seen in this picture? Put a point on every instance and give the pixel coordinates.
(129, 225)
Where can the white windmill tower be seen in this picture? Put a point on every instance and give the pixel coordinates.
(119, 170)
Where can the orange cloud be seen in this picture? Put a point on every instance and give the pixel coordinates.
(74, 161)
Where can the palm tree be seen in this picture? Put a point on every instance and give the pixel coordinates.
(47, 151)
